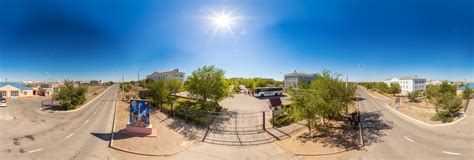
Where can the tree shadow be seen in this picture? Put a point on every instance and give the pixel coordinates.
(340, 135)
(374, 127)
(117, 135)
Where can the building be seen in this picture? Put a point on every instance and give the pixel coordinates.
(460, 90)
(408, 84)
(48, 89)
(436, 82)
(14, 90)
(173, 74)
(292, 79)
(96, 82)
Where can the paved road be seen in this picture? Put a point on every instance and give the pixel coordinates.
(34, 134)
(392, 136)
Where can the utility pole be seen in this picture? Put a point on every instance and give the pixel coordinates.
(347, 107)
(122, 88)
(138, 82)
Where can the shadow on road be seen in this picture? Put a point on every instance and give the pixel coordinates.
(117, 135)
(374, 127)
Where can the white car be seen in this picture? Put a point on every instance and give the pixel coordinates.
(3, 102)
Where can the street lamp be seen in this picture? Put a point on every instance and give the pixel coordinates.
(121, 85)
(138, 82)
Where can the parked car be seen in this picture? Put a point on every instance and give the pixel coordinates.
(3, 102)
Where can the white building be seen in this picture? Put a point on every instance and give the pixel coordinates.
(173, 74)
(436, 82)
(408, 84)
(292, 79)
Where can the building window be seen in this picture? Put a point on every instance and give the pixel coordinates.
(25, 93)
(14, 93)
(3, 93)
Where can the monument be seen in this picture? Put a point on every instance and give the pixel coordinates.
(139, 123)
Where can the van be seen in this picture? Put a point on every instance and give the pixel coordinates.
(3, 102)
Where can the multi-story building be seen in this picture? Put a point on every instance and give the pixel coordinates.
(292, 79)
(96, 82)
(408, 84)
(173, 74)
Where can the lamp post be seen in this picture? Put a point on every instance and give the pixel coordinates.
(121, 83)
(138, 82)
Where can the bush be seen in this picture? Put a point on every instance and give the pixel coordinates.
(281, 120)
(70, 96)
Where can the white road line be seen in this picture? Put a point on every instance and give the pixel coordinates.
(70, 135)
(411, 140)
(36, 150)
(87, 121)
(451, 153)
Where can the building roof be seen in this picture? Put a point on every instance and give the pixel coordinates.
(408, 78)
(274, 102)
(16, 85)
(470, 85)
(295, 73)
(163, 72)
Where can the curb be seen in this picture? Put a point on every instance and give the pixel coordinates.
(416, 120)
(427, 124)
(320, 154)
(84, 105)
(138, 153)
(113, 123)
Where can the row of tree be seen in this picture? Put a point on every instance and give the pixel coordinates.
(69, 96)
(445, 100)
(322, 100)
(393, 88)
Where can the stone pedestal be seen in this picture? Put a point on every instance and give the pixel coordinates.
(140, 131)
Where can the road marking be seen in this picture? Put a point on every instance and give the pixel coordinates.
(94, 113)
(451, 153)
(36, 150)
(411, 140)
(70, 135)
(184, 143)
(87, 121)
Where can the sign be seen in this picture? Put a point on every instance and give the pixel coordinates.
(140, 113)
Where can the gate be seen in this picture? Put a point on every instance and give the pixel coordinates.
(239, 128)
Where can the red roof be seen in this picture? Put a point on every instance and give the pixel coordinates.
(274, 102)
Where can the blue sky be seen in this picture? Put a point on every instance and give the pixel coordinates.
(87, 39)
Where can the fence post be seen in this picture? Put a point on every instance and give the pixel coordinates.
(263, 113)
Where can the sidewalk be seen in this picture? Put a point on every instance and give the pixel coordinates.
(169, 139)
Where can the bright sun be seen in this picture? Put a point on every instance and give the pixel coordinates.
(223, 20)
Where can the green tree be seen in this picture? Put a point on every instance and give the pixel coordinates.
(70, 96)
(382, 87)
(466, 94)
(207, 84)
(446, 105)
(446, 102)
(394, 88)
(173, 86)
(300, 100)
(158, 92)
(413, 96)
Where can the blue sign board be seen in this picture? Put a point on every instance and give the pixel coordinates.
(140, 113)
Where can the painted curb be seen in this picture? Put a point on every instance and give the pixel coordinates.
(84, 105)
(421, 122)
(427, 124)
(320, 154)
(113, 123)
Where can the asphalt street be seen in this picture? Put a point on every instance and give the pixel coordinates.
(36, 134)
(390, 135)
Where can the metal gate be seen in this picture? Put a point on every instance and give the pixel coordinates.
(239, 128)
